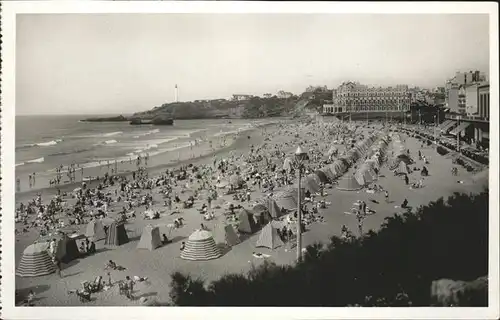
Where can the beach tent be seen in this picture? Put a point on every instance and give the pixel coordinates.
(273, 208)
(35, 261)
(402, 168)
(225, 234)
(286, 199)
(95, 230)
(269, 238)
(322, 177)
(236, 181)
(246, 222)
(117, 235)
(349, 183)
(200, 246)
(329, 174)
(287, 165)
(363, 177)
(150, 238)
(66, 248)
(309, 183)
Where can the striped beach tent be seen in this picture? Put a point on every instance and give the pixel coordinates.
(117, 235)
(35, 261)
(200, 246)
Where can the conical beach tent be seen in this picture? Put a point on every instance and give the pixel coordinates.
(225, 234)
(269, 238)
(95, 230)
(273, 208)
(246, 222)
(117, 235)
(200, 246)
(286, 199)
(349, 184)
(150, 238)
(35, 261)
(262, 214)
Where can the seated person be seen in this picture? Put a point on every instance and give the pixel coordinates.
(92, 248)
(111, 265)
(404, 204)
(165, 239)
(183, 245)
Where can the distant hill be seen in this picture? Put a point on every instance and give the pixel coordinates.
(255, 107)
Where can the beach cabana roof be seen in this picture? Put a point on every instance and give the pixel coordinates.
(200, 246)
(35, 261)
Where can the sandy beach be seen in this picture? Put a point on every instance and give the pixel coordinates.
(159, 264)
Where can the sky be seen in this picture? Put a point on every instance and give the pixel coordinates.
(124, 63)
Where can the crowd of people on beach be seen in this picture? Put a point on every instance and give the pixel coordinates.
(216, 189)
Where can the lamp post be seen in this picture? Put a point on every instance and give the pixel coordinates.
(300, 157)
(458, 135)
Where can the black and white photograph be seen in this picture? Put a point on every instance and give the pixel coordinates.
(237, 155)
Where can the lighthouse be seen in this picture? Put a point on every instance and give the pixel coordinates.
(176, 93)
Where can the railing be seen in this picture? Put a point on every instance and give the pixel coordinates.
(467, 117)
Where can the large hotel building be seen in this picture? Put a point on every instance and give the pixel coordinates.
(353, 97)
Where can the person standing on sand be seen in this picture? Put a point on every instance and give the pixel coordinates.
(34, 179)
(18, 184)
(386, 194)
(29, 180)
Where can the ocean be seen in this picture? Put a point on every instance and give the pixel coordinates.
(44, 143)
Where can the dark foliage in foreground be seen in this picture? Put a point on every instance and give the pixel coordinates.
(392, 267)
